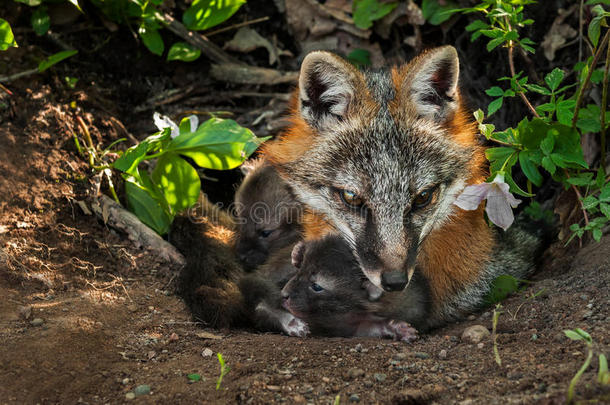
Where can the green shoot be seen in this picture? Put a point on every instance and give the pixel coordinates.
(224, 369)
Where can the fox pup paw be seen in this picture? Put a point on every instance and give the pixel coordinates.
(295, 327)
(403, 331)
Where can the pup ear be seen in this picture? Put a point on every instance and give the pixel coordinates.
(327, 85)
(432, 83)
(298, 251)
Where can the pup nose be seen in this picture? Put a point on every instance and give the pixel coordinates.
(394, 281)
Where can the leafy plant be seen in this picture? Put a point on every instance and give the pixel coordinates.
(224, 369)
(365, 12)
(437, 12)
(579, 334)
(174, 185)
(7, 39)
(550, 141)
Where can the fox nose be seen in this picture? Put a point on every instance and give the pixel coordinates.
(394, 281)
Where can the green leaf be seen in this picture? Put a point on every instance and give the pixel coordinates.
(597, 234)
(594, 29)
(217, 144)
(494, 92)
(583, 179)
(514, 187)
(476, 25)
(604, 196)
(530, 171)
(54, 59)
(494, 106)
(141, 202)
(548, 165)
(152, 39)
(183, 51)
(359, 57)
(547, 144)
(501, 287)
(31, 3)
(204, 14)
(565, 111)
(603, 369)
(538, 89)
(128, 163)
(554, 79)
(40, 20)
(436, 13)
(194, 377)
(178, 181)
(7, 39)
(589, 202)
(491, 45)
(365, 12)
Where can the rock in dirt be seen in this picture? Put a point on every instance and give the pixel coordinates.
(354, 398)
(207, 352)
(354, 373)
(142, 390)
(474, 334)
(129, 396)
(380, 377)
(37, 322)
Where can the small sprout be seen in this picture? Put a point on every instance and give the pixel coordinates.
(579, 334)
(194, 377)
(494, 325)
(603, 375)
(224, 369)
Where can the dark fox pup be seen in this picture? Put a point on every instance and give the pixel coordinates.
(379, 157)
(268, 215)
(329, 293)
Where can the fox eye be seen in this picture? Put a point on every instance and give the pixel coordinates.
(265, 233)
(423, 198)
(351, 199)
(316, 288)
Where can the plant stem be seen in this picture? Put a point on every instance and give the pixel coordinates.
(579, 374)
(585, 83)
(511, 64)
(584, 211)
(602, 117)
(90, 147)
(231, 27)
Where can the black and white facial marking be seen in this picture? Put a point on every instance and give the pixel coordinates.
(384, 183)
(268, 216)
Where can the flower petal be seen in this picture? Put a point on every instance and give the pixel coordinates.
(471, 197)
(498, 209)
(194, 120)
(163, 121)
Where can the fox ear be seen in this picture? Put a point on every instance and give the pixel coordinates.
(298, 251)
(327, 85)
(433, 84)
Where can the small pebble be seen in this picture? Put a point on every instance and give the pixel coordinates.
(358, 348)
(472, 317)
(37, 322)
(481, 345)
(125, 381)
(207, 352)
(25, 312)
(142, 390)
(421, 355)
(475, 333)
(442, 354)
(354, 398)
(273, 388)
(380, 377)
(129, 396)
(355, 373)
(399, 356)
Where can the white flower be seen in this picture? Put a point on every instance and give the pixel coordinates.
(194, 122)
(162, 122)
(499, 201)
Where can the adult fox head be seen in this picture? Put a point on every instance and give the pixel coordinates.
(382, 154)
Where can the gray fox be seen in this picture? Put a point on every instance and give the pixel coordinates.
(379, 157)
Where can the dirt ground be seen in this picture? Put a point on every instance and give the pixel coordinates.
(86, 316)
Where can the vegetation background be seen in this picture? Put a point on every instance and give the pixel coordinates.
(89, 313)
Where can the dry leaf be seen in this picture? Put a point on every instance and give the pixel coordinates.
(208, 335)
(246, 40)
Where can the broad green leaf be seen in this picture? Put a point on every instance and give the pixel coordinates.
(589, 202)
(178, 181)
(491, 45)
(204, 14)
(359, 57)
(146, 208)
(128, 163)
(54, 59)
(529, 169)
(501, 287)
(597, 234)
(583, 179)
(573, 335)
(494, 92)
(565, 111)
(479, 115)
(538, 89)
(604, 196)
(7, 39)
(217, 144)
(40, 20)
(476, 25)
(436, 13)
(183, 51)
(514, 187)
(547, 144)
(594, 28)
(548, 165)
(152, 39)
(494, 106)
(554, 79)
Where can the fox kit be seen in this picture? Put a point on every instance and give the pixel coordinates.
(267, 214)
(329, 294)
(379, 157)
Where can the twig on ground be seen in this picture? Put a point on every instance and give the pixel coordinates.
(15, 76)
(234, 26)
